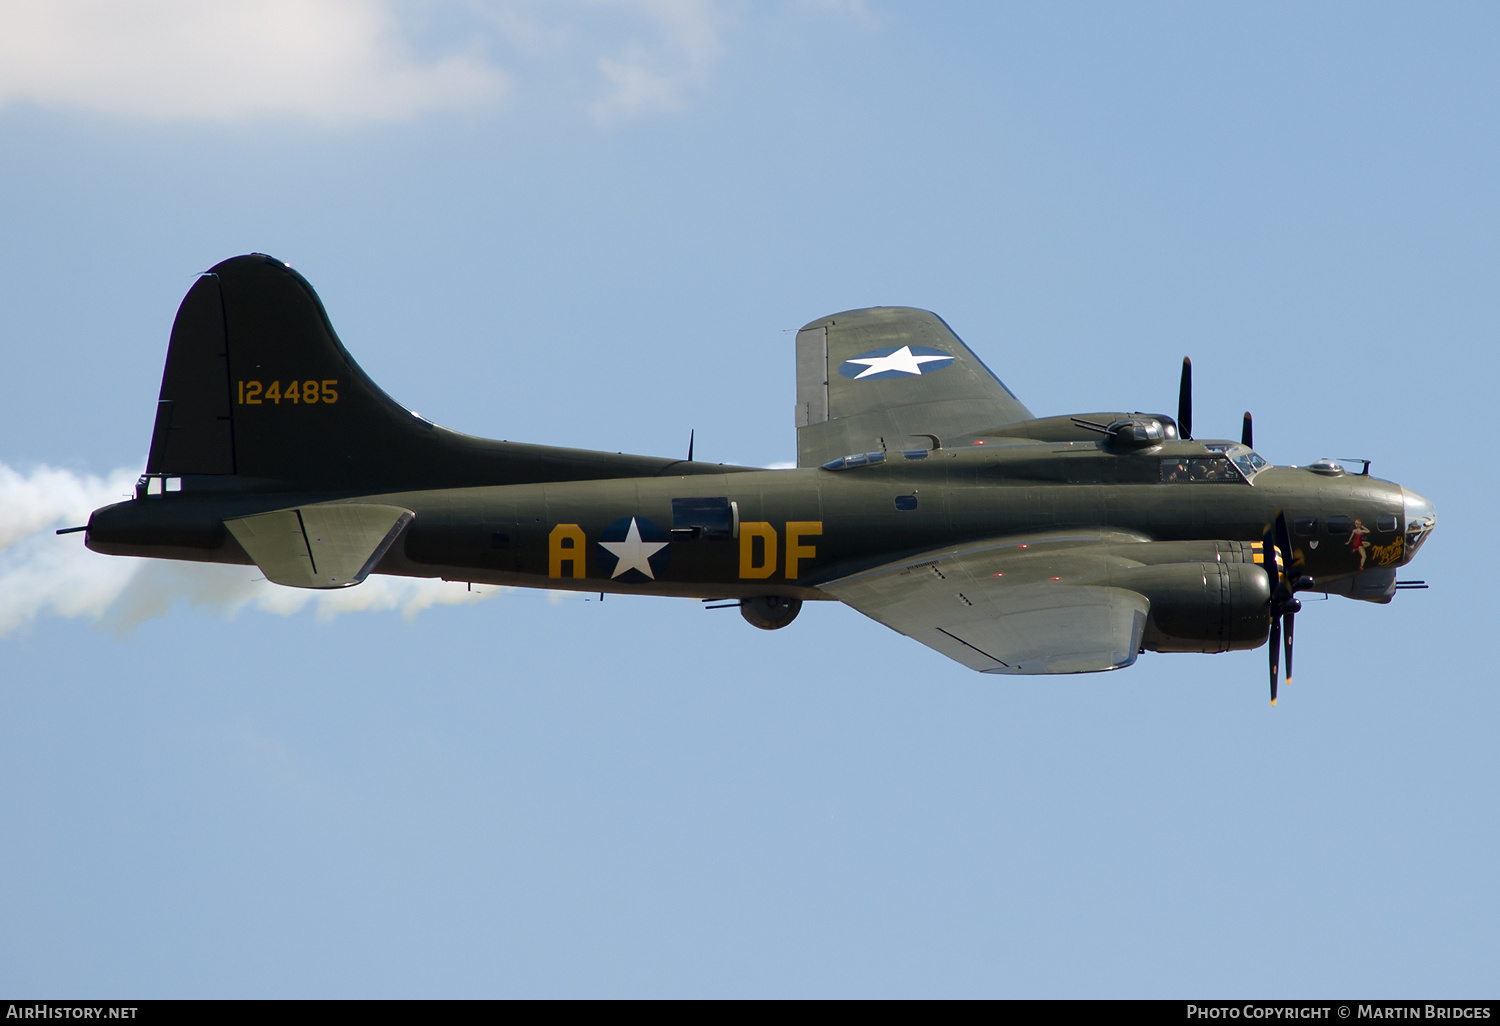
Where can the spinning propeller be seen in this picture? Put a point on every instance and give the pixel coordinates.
(1284, 565)
(1282, 562)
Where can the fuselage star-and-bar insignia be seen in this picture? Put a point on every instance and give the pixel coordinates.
(633, 552)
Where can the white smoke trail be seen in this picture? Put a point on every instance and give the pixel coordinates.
(43, 573)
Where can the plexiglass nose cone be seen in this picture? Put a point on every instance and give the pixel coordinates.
(1421, 518)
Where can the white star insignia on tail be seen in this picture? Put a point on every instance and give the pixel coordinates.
(902, 360)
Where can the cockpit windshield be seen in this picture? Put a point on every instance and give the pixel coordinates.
(1246, 460)
(1249, 461)
(1231, 464)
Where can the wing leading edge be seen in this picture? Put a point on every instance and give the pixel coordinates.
(891, 377)
(1006, 607)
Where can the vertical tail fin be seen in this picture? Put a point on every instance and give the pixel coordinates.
(258, 385)
(260, 394)
(194, 427)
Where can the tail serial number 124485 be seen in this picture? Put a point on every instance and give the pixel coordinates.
(253, 393)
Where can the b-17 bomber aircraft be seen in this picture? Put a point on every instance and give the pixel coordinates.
(926, 496)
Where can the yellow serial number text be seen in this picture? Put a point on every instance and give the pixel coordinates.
(253, 393)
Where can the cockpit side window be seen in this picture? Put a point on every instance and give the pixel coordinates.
(1199, 470)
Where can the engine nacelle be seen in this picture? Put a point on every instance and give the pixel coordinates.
(770, 612)
(1202, 607)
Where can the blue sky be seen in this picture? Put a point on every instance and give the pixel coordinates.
(593, 224)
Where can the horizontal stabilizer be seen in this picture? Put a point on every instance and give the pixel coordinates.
(328, 545)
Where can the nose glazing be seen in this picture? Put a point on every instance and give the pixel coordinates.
(1421, 518)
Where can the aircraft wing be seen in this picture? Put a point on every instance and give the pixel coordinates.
(1007, 606)
(887, 377)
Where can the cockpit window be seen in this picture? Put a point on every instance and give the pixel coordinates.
(1220, 467)
(1250, 462)
(1198, 469)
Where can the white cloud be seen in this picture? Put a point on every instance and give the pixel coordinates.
(641, 79)
(48, 496)
(854, 8)
(355, 61)
(44, 573)
(328, 61)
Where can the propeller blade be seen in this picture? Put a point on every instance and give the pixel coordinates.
(1185, 400)
(1246, 436)
(1284, 542)
(1291, 619)
(1284, 604)
(1275, 653)
(1273, 607)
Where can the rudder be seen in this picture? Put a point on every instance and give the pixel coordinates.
(258, 385)
(259, 395)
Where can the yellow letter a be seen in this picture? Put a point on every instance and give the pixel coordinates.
(559, 553)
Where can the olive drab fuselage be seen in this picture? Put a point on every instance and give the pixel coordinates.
(790, 530)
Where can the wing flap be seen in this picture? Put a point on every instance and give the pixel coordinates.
(328, 545)
(1023, 619)
(1065, 629)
